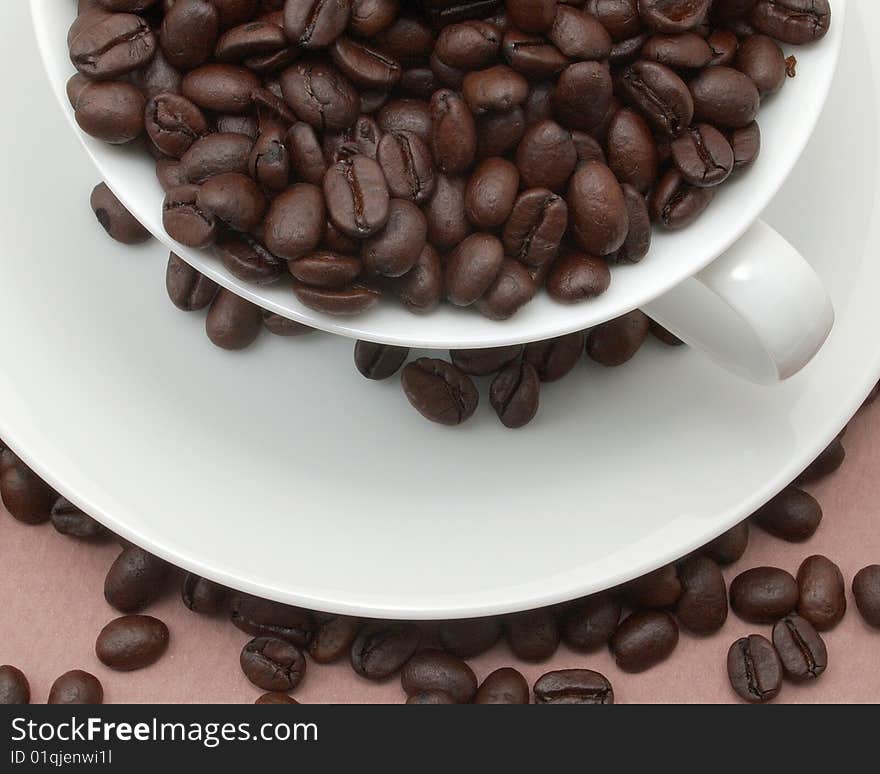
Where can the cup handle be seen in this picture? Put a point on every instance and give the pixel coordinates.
(759, 310)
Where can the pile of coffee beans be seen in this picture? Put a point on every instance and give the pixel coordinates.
(639, 622)
(470, 152)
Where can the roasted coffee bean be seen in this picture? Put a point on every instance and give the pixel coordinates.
(763, 594)
(112, 111)
(638, 236)
(439, 391)
(687, 51)
(135, 579)
(514, 394)
(659, 94)
(491, 192)
(357, 196)
(632, 151)
(185, 221)
(577, 276)
(333, 638)
(430, 697)
(644, 639)
(132, 642)
(703, 156)
(469, 637)
(316, 23)
(294, 223)
(216, 154)
(276, 697)
(792, 21)
(800, 648)
(792, 515)
(673, 15)
(233, 199)
(282, 326)
(187, 288)
(616, 342)
(107, 46)
(579, 35)
(754, 669)
(448, 224)
(503, 686)
(26, 496)
(536, 225)
(222, 88)
(269, 162)
(825, 464)
(598, 214)
(484, 362)
(588, 148)
(619, 17)
(702, 606)
(305, 153)
(499, 134)
(532, 15)
(546, 157)
(14, 686)
(408, 38)
(189, 33)
(627, 51)
(471, 45)
(761, 58)
(421, 288)
(394, 250)
(472, 267)
(588, 623)
(173, 123)
(573, 686)
(675, 204)
(723, 44)
(70, 520)
(320, 95)
(533, 635)
(406, 163)
(382, 648)
(822, 592)
(453, 133)
(495, 89)
(169, 174)
(512, 288)
(407, 115)
(583, 95)
(232, 323)
(724, 97)
(866, 590)
(117, 221)
(202, 596)
(248, 260)
(660, 588)
(729, 546)
(370, 17)
(435, 670)
(555, 358)
(264, 618)
(379, 361)
(272, 664)
(533, 56)
(253, 40)
(364, 66)
(76, 687)
(341, 302)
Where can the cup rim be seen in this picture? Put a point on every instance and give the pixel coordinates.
(450, 327)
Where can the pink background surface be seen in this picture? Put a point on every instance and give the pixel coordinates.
(52, 608)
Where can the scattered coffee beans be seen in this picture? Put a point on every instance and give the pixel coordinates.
(117, 221)
(132, 642)
(503, 686)
(134, 580)
(26, 496)
(469, 637)
(800, 648)
(70, 520)
(333, 638)
(866, 590)
(533, 635)
(702, 606)
(573, 686)
(792, 515)
(76, 687)
(201, 595)
(644, 639)
(276, 697)
(14, 686)
(754, 669)
(588, 623)
(822, 592)
(729, 547)
(382, 648)
(435, 670)
(763, 594)
(272, 664)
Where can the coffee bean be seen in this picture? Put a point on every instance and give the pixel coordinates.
(421, 288)
(439, 391)
(282, 326)
(825, 464)
(533, 635)
(434, 670)
(135, 579)
(470, 45)
(512, 288)
(472, 267)
(233, 323)
(723, 44)
(573, 686)
(453, 133)
(132, 642)
(264, 618)
(615, 342)
(276, 697)
(26, 496)
(588, 623)
(253, 40)
(702, 606)
(761, 58)
(357, 196)
(800, 648)
(14, 686)
(316, 23)
(272, 664)
(729, 546)
(76, 687)
(189, 33)
(619, 17)
(333, 638)
(365, 66)
(555, 358)
(703, 156)
(382, 648)
(216, 154)
(687, 50)
(754, 669)
(223, 88)
(792, 515)
(406, 163)
(724, 97)
(763, 594)
(491, 192)
(514, 394)
(70, 520)
(448, 225)
(866, 590)
(469, 637)
(822, 592)
(351, 300)
(660, 588)
(484, 362)
(370, 17)
(247, 259)
(643, 639)
(666, 337)
(430, 697)
(112, 111)
(294, 224)
(503, 686)
(110, 45)
(632, 151)
(659, 94)
(579, 35)
(187, 288)
(202, 596)
(638, 236)
(546, 157)
(792, 21)
(533, 56)
(495, 89)
(673, 15)
(536, 225)
(379, 361)
(576, 276)
(394, 250)
(269, 162)
(185, 221)
(599, 219)
(675, 204)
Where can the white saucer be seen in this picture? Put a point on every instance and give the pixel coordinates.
(281, 471)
